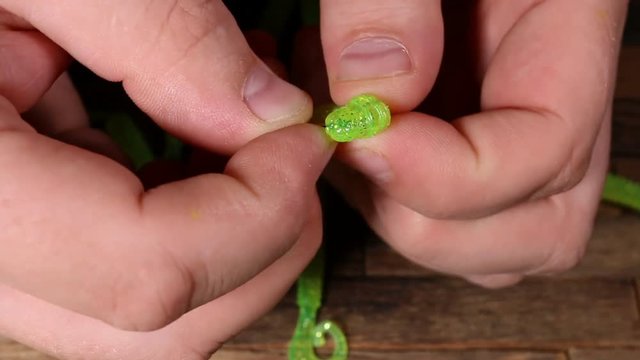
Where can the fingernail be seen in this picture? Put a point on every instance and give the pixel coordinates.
(372, 58)
(271, 98)
(372, 164)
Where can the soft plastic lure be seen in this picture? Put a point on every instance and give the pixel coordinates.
(309, 335)
(362, 117)
(621, 191)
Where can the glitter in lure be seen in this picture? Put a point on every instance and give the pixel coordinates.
(362, 117)
(309, 335)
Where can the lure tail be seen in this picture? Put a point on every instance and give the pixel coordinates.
(308, 336)
(622, 191)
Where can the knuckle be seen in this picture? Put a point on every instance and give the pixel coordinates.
(571, 173)
(561, 261)
(149, 296)
(383, 14)
(568, 249)
(290, 210)
(183, 25)
(417, 240)
(197, 17)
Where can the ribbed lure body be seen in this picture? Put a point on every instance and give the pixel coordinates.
(362, 117)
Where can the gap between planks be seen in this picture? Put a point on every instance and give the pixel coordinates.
(637, 293)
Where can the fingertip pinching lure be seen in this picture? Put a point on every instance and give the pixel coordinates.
(362, 117)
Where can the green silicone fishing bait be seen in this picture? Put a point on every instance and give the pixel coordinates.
(362, 117)
(621, 191)
(308, 334)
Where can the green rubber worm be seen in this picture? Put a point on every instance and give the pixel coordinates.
(308, 334)
(362, 117)
(621, 191)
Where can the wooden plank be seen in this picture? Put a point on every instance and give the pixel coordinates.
(225, 354)
(638, 297)
(381, 260)
(604, 354)
(456, 355)
(614, 251)
(429, 314)
(231, 354)
(10, 350)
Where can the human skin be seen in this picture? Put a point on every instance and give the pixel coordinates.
(509, 188)
(492, 196)
(94, 266)
(503, 189)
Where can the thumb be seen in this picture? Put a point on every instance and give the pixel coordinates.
(388, 48)
(184, 62)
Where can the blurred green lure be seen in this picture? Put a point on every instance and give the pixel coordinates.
(621, 191)
(362, 117)
(310, 335)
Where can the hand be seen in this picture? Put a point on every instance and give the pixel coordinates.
(507, 183)
(91, 265)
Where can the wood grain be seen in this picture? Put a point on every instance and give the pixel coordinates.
(381, 261)
(604, 354)
(402, 355)
(426, 314)
(638, 297)
(614, 249)
(10, 350)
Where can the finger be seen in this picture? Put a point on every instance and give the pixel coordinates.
(541, 112)
(30, 62)
(58, 110)
(389, 48)
(517, 241)
(223, 318)
(183, 62)
(154, 254)
(538, 237)
(37, 324)
(267, 193)
(32, 321)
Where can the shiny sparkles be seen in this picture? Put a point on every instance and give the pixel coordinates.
(362, 117)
